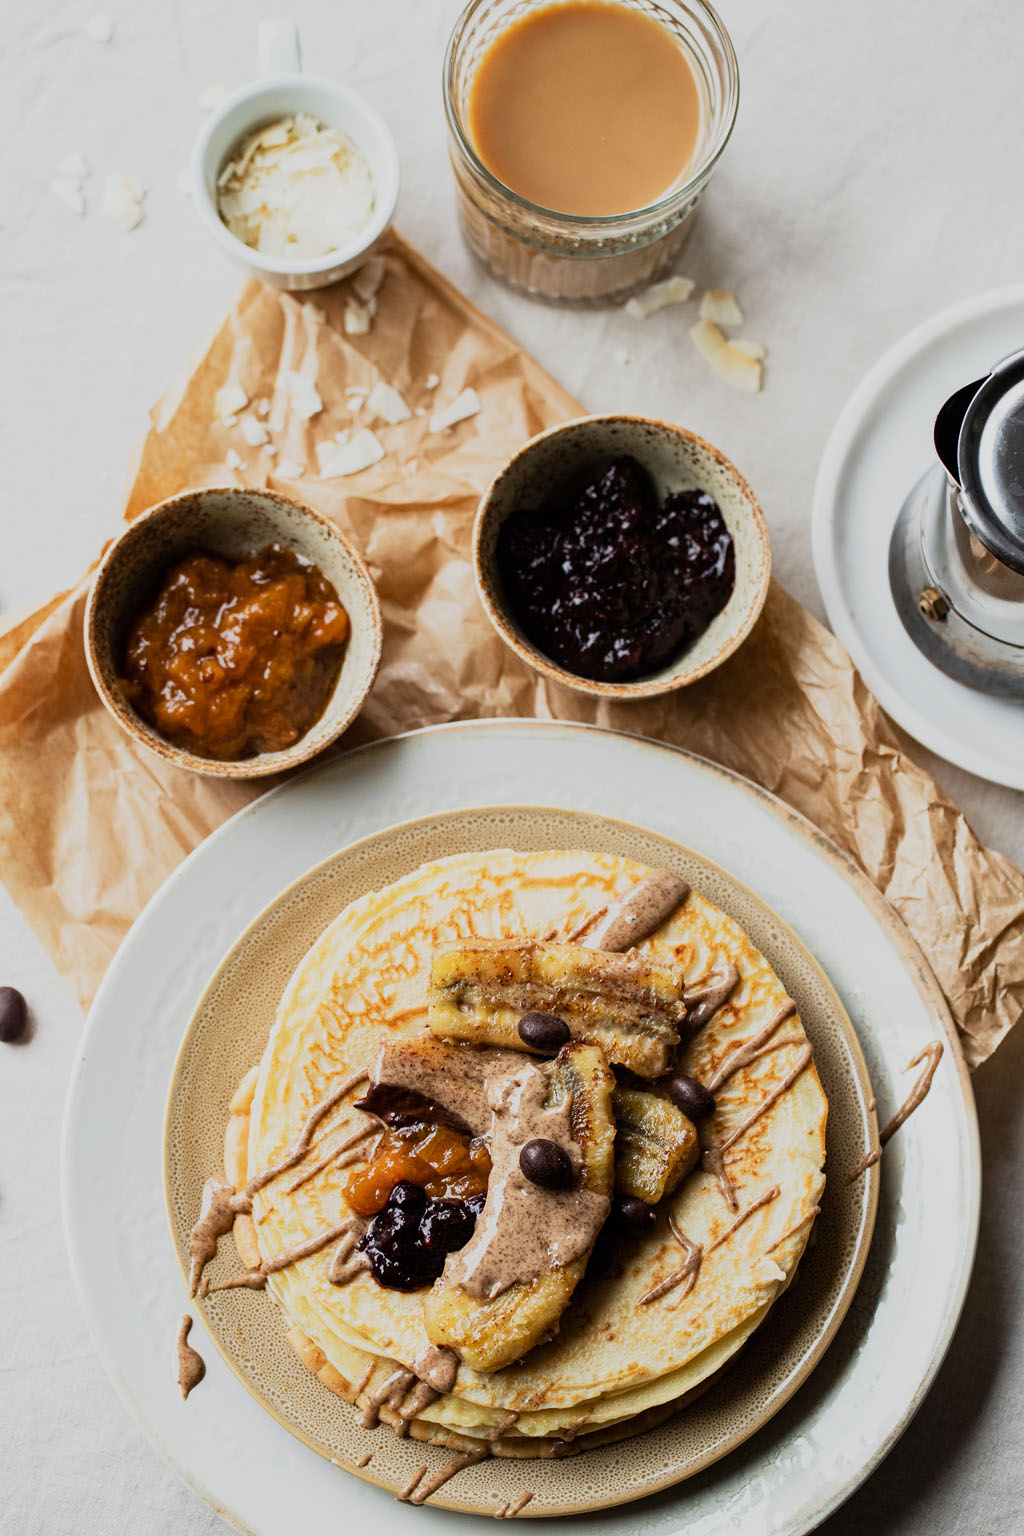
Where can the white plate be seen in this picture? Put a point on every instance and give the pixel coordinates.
(813, 1454)
(879, 447)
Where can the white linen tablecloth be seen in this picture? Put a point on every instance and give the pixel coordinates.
(873, 178)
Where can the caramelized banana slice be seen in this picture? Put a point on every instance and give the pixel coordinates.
(655, 1145)
(632, 1010)
(475, 1307)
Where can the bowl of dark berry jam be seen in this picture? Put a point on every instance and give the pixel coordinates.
(233, 632)
(621, 556)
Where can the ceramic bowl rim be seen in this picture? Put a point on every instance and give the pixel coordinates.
(264, 764)
(330, 264)
(642, 688)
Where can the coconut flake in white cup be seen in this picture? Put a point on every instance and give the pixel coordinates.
(324, 181)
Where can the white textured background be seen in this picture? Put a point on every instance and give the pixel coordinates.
(873, 178)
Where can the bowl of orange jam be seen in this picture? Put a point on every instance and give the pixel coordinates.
(233, 632)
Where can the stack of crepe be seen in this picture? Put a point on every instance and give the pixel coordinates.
(620, 1359)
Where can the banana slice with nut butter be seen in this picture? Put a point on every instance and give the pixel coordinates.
(631, 1009)
(506, 1290)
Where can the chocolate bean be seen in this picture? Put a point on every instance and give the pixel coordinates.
(633, 1215)
(546, 1163)
(13, 1015)
(543, 1031)
(690, 1095)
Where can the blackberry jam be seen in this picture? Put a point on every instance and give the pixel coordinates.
(409, 1241)
(611, 583)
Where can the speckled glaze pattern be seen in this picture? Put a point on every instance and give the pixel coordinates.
(678, 460)
(228, 1033)
(234, 522)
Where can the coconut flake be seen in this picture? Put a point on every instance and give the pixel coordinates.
(385, 401)
(674, 290)
(122, 201)
(69, 193)
(719, 305)
(462, 407)
(263, 407)
(229, 400)
(100, 27)
(753, 349)
(270, 449)
(234, 460)
(296, 188)
(729, 362)
(367, 280)
(254, 432)
(306, 401)
(289, 469)
(431, 381)
(74, 167)
(357, 318)
(347, 454)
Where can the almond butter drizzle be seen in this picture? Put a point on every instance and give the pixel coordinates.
(346, 1262)
(417, 1491)
(220, 1204)
(191, 1365)
(760, 1044)
(411, 1484)
(686, 1275)
(803, 1061)
(421, 1394)
(348, 1145)
(305, 1139)
(438, 1366)
(763, 1199)
(746, 1053)
(713, 993)
(931, 1055)
(217, 1211)
(511, 1510)
(250, 1280)
(712, 1161)
(304, 1250)
(814, 1211)
(635, 916)
(495, 1431)
(389, 1393)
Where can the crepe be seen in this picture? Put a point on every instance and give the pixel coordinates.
(618, 1360)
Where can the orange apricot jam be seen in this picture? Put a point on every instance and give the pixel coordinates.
(443, 1162)
(233, 658)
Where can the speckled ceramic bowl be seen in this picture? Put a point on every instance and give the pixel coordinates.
(234, 522)
(678, 460)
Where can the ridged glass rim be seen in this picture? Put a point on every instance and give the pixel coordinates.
(697, 9)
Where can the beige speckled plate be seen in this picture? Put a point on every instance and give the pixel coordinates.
(228, 1032)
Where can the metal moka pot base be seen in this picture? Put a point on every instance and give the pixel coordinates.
(962, 608)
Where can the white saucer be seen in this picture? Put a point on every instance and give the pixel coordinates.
(879, 447)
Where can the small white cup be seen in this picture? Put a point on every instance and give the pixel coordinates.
(281, 91)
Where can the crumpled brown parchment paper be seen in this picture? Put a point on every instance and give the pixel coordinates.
(90, 824)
